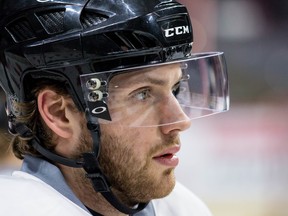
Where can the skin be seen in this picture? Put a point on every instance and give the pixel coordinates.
(128, 151)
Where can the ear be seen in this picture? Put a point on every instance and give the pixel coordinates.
(54, 110)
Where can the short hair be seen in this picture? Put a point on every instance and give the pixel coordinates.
(29, 115)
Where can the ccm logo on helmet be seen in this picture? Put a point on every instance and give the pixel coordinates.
(179, 30)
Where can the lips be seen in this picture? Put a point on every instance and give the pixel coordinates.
(168, 156)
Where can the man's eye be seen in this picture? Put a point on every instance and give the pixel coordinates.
(142, 95)
(176, 89)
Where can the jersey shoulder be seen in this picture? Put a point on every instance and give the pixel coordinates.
(25, 195)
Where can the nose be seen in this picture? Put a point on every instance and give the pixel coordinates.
(173, 118)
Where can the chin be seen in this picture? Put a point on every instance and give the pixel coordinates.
(166, 185)
(153, 186)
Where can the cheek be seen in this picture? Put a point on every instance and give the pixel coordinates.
(139, 140)
(144, 139)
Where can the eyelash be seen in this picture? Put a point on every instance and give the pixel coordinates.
(176, 89)
(139, 93)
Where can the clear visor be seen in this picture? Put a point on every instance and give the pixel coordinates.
(159, 95)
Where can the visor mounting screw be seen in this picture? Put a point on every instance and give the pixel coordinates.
(105, 94)
(93, 84)
(103, 83)
(95, 96)
(187, 49)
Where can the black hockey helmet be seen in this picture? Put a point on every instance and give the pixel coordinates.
(83, 42)
(64, 39)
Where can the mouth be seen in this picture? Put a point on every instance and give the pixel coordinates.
(168, 157)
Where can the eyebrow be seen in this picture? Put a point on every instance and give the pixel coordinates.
(155, 80)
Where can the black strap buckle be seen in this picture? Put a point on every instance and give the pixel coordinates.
(99, 182)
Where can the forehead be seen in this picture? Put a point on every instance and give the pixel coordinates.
(158, 75)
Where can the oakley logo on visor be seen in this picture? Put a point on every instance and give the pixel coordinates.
(179, 30)
(99, 109)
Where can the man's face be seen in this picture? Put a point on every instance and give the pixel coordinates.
(136, 155)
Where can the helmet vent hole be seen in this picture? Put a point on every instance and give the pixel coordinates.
(52, 21)
(20, 30)
(167, 3)
(89, 19)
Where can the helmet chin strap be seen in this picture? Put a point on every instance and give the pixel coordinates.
(89, 163)
(98, 179)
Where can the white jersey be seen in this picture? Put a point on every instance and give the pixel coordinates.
(26, 195)
(181, 202)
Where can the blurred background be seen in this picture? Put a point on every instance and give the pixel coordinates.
(237, 162)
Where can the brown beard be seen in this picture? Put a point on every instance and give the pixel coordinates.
(133, 179)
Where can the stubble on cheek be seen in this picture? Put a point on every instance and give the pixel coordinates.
(134, 175)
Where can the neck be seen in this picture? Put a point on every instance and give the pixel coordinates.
(83, 189)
